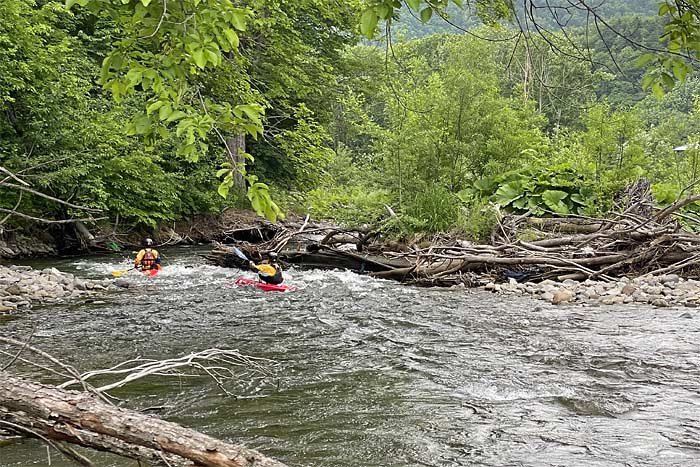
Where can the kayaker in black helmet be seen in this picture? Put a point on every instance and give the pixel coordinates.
(148, 258)
(269, 271)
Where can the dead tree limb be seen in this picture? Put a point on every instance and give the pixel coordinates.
(83, 419)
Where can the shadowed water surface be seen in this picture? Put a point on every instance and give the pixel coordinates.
(371, 373)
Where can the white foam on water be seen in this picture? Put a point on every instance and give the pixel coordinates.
(321, 278)
(103, 268)
(502, 393)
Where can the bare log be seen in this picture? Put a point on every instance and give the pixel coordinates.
(565, 225)
(83, 419)
(662, 215)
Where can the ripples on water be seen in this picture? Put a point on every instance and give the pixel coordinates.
(370, 373)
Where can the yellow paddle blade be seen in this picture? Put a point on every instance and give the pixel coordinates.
(120, 273)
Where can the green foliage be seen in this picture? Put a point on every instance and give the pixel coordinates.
(168, 61)
(303, 152)
(682, 39)
(350, 206)
(541, 191)
(433, 209)
(490, 12)
(348, 130)
(477, 220)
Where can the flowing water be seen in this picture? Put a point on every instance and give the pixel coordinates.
(370, 373)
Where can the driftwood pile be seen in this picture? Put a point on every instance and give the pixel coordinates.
(636, 240)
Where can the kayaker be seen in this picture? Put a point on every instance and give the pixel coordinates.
(269, 271)
(148, 258)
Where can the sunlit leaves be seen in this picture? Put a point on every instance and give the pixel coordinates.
(260, 199)
(368, 22)
(682, 38)
(165, 59)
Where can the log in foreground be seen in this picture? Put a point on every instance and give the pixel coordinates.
(81, 418)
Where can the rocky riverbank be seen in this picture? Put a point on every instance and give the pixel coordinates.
(660, 291)
(22, 287)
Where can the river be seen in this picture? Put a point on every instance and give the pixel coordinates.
(370, 373)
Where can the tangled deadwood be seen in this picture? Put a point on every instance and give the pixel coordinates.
(636, 240)
(88, 418)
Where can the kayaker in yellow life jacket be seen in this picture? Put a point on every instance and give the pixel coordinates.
(269, 271)
(148, 258)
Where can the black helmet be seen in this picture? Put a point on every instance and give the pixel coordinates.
(148, 242)
(272, 255)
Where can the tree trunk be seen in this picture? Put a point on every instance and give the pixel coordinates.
(81, 418)
(236, 147)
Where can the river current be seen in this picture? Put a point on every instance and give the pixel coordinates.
(369, 373)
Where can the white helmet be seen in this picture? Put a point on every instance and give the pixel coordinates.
(149, 242)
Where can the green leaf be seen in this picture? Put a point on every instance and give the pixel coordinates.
(520, 203)
(145, 2)
(384, 11)
(214, 56)
(426, 14)
(648, 80)
(255, 202)
(153, 107)
(105, 69)
(223, 189)
(134, 76)
(680, 70)
(222, 172)
(658, 90)
(368, 22)
(485, 184)
(183, 126)
(506, 194)
(177, 115)
(232, 38)
(554, 201)
(142, 124)
(238, 19)
(413, 4)
(252, 112)
(199, 58)
(668, 80)
(83, 3)
(644, 60)
(117, 90)
(164, 112)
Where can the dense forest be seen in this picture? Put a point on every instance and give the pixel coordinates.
(153, 112)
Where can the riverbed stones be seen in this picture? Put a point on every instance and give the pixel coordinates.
(563, 296)
(669, 290)
(22, 287)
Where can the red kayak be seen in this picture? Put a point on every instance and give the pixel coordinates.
(264, 286)
(151, 272)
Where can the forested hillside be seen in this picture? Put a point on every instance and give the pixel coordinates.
(153, 115)
(410, 26)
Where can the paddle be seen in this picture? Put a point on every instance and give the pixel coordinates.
(240, 254)
(122, 272)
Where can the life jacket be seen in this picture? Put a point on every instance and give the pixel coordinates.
(270, 273)
(149, 260)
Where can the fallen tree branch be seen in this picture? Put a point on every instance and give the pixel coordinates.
(49, 221)
(83, 419)
(49, 197)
